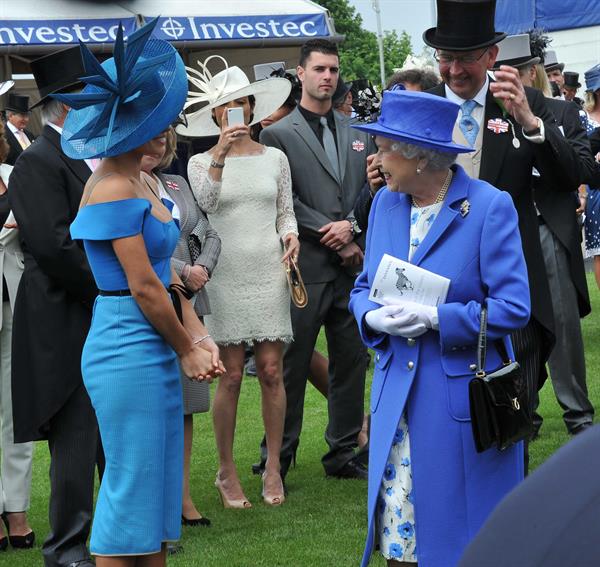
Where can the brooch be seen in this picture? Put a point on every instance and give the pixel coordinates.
(465, 207)
(497, 126)
(172, 185)
(358, 146)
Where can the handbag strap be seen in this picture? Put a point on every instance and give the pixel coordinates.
(482, 344)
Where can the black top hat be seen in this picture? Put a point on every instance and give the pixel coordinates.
(341, 91)
(17, 103)
(464, 25)
(551, 62)
(58, 72)
(571, 79)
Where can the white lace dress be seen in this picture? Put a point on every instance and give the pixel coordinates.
(252, 209)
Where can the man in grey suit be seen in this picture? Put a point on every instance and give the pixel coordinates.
(328, 165)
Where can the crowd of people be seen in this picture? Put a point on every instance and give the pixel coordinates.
(127, 289)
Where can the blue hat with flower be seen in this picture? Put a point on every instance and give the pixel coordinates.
(592, 79)
(128, 100)
(417, 118)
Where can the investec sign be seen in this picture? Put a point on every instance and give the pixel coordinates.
(38, 32)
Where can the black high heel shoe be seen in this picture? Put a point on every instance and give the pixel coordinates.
(17, 541)
(194, 521)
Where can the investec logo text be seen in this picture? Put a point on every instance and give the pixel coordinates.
(65, 32)
(196, 28)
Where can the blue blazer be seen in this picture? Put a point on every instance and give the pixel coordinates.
(475, 242)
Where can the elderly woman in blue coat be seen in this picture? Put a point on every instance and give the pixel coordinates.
(429, 490)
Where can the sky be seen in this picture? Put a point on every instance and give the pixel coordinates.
(412, 16)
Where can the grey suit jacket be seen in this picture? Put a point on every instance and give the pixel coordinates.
(319, 196)
(192, 216)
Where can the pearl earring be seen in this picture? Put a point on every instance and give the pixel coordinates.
(418, 171)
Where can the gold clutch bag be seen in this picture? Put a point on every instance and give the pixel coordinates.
(297, 288)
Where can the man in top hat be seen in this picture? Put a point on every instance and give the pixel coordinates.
(52, 317)
(560, 236)
(554, 69)
(512, 132)
(571, 84)
(328, 164)
(16, 133)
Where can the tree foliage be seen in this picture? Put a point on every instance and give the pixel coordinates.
(359, 52)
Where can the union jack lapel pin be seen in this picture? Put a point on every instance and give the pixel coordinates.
(497, 125)
(172, 185)
(358, 146)
(465, 207)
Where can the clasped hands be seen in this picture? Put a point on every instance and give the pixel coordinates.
(202, 362)
(402, 319)
(338, 236)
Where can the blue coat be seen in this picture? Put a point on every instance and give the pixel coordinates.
(455, 488)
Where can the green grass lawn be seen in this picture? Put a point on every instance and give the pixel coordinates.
(323, 521)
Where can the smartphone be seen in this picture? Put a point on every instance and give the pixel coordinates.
(235, 116)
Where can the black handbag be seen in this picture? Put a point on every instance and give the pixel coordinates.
(498, 400)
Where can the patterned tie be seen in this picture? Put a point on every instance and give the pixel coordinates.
(468, 125)
(330, 147)
(23, 139)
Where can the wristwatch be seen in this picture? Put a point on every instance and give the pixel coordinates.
(354, 228)
(537, 135)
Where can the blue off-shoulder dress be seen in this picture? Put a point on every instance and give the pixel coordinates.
(132, 377)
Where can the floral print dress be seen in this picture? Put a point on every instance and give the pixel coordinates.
(592, 207)
(395, 507)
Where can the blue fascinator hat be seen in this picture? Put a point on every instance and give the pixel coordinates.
(128, 100)
(592, 79)
(417, 118)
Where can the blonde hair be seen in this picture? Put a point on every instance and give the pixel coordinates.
(170, 150)
(541, 81)
(590, 101)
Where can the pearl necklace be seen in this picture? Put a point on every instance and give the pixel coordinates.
(441, 195)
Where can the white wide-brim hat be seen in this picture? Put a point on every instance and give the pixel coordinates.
(229, 84)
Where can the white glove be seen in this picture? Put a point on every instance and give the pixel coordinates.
(425, 314)
(394, 320)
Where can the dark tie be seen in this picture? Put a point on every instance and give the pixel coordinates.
(330, 147)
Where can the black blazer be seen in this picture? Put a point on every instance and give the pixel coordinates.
(595, 141)
(54, 302)
(15, 147)
(558, 208)
(510, 170)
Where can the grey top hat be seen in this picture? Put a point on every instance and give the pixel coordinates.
(551, 62)
(515, 51)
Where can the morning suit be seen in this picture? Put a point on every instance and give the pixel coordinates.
(321, 197)
(509, 168)
(15, 147)
(53, 311)
(595, 141)
(426, 378)
(196, 395)
(15, 475)
(560, 236)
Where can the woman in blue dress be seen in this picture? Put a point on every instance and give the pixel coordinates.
(129, 361)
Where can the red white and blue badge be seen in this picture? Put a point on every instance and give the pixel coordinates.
(358, 146)
(172, 185)
(497, 125)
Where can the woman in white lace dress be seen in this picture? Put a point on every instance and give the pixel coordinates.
(245, 187)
